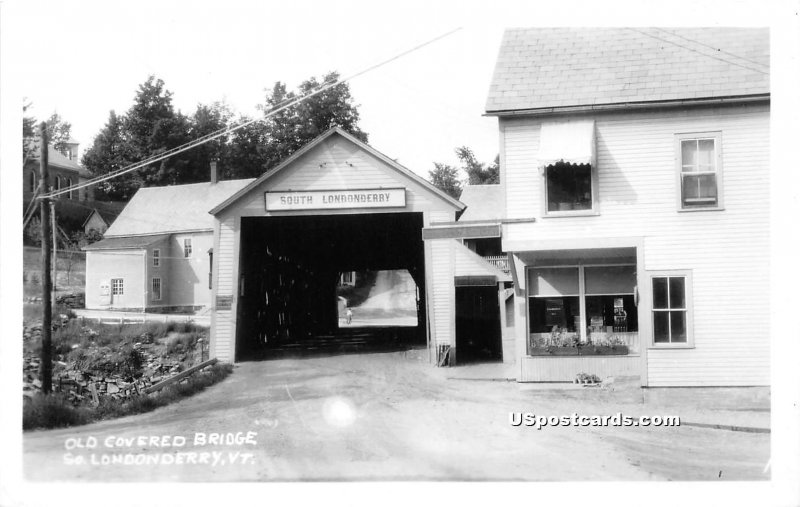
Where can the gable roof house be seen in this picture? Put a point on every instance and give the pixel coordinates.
(157, 254)
(635, 172)
(63, 171)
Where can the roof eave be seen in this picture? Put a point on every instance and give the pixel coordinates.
(308, 147)
(630, 106)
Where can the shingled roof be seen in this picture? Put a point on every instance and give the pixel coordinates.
(484, 203)
(542, 68)
(176, 208)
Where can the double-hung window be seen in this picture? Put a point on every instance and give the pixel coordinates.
(156, 257)
(187, 247)
(117, 287)
(671, 314)
(156, 292)
(700, 170)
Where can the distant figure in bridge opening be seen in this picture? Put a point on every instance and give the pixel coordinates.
(349, 315)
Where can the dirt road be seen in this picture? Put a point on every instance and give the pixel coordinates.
(384, 416)
(391, 301)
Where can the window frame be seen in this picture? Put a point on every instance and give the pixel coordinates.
(593, 211)
(156, 257)
(117, 286)
(187, 248)
(581, 295)
(153, 288)
(716, 136)
(688, 295)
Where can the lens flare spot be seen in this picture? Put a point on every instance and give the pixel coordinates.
(338, 412)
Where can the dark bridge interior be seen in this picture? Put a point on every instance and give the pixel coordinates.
(289, 268)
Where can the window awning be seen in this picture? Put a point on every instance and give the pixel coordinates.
(571, 141)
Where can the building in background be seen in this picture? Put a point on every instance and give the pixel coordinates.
(157, 255)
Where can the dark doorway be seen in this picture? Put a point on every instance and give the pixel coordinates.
(290, 267)
(478, 333)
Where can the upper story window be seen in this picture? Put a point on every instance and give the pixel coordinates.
(567, 162)
(700, 170)
(568, 187)
(156, 257)
(187, 247)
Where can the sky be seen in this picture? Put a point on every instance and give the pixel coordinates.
(416, 109)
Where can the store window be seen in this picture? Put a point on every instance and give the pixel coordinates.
(700, 171)
(672, 319)
(568, 187)
(591, 303)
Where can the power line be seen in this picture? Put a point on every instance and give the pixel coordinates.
(712, 47)
(221, 132)
(698, 52)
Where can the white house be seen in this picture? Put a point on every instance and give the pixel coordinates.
(157, 254)
(635, 169)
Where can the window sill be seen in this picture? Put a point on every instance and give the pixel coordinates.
(665, 346)
(695, 210)
(579, 213)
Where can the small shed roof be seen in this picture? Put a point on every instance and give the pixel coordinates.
(540, 68)
(484, 203)
(176, 208)
(126, 243)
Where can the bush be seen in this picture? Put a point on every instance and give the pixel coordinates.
(181, 342)
(52, 411)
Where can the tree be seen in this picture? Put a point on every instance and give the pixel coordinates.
(445, 178)
(153, 127)
(58, 132)
(478, 173)
(111, 151)
(290, 129)
(207, 119)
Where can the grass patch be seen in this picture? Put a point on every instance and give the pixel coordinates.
(53, 411)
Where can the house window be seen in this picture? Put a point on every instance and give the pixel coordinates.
(69, 186)
(568, 187)
(700, 171)
(210, 266)
(32, 181)
(187, 247)
(58, 182)
(672, 319)
(156, 257)
(156, 292)
(117, 287)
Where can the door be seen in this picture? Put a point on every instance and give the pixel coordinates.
(478, 332)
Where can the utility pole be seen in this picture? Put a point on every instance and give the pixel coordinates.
(54, 229)
(46, 366)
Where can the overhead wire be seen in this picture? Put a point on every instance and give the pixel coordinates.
(698, 52)
(720, 50)
(214, 135)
